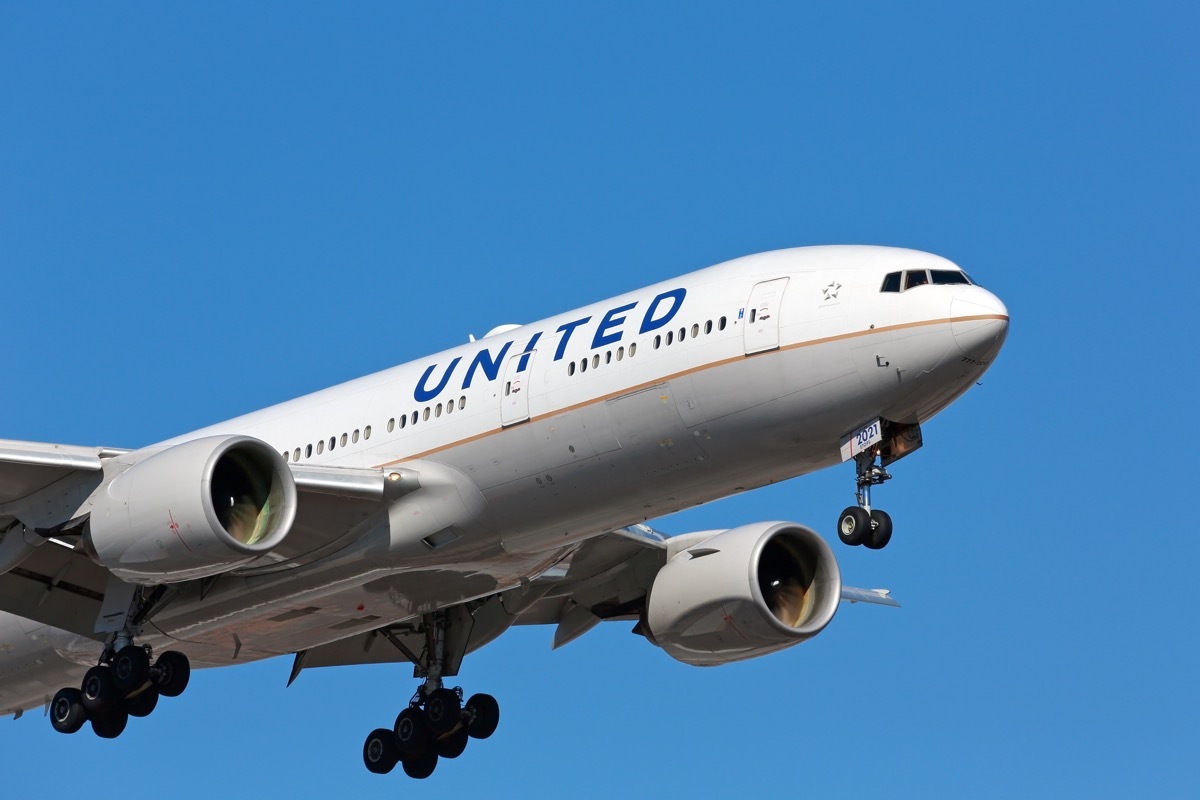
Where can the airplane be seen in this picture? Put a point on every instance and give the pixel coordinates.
(414, 515)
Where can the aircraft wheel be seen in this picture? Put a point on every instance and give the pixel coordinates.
(110, 725)
(452, 746)
(411, 732)
(67, 713)
(130, 669)
(484, 713)
(420, 767)
(380, 752)
(142, 703)
(881, 532)
(98, 694)
(854, 525)
(171, 672)
(443, 710)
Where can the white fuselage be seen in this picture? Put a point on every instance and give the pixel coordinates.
(729, 378)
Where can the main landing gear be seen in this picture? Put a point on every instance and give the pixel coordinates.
(862, 524)
(436, 723)
(124, 684)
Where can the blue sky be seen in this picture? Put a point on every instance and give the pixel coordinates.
(206, 209)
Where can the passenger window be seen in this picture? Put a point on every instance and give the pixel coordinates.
(595, 360)
(632, 349)
(308, 451)
(450, 407)
(367, 432)
(682, 334)
(403, 421)
(695, 330)
(670, 338)
(608, 356)
(708, 327)
(462, 402)
(414, 418)
(354, 436)
(571, 369)
(425, 414)
(891, 283)
(437, 411)
(657, 342)
(285, 456)
(915, 277)
(296, 454)
(721, 324)
(343, 440)
(620, 353)
(320, 447)
(391, 424)
(753, 314)
(332, 442)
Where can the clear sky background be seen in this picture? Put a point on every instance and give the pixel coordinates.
(206, 209)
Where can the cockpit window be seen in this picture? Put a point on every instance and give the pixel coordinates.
(944, 277)
(921, 277)
(915, 277)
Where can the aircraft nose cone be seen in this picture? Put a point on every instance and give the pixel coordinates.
(979, 322)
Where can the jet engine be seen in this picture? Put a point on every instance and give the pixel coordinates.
(192, 510)
(742, 593)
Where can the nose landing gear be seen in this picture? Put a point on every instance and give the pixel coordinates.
(861, 524)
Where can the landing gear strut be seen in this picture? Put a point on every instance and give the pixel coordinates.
(436, 723)
(861, 524)
(125, 683)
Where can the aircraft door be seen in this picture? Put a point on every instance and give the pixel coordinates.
(762, 316)
(514, 397)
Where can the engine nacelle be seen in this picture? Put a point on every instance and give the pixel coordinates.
(743, 593)
(192, 510)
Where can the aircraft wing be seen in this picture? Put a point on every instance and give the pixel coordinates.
(58, 585)
(26, 467)
(604, 578)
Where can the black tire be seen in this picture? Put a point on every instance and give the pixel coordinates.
(452, 745)
(420, 767)
(443, 711)
(171, 673)
(97, 692)
(484, 714)
(130, 669)
(67, 713)
(141, 704)
(110, 725)
(882, 530)
(854, 525)
(380, 752)
(412, 733)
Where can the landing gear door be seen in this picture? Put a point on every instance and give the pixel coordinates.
(762, 316)
(514, 394)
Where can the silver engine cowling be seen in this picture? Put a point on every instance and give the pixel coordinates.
(742, 593)
(192, 510)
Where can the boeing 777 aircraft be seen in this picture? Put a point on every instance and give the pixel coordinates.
(415, 514)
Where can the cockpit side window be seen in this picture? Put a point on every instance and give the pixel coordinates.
(945, 277)
(915, 277)
(891, 283)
